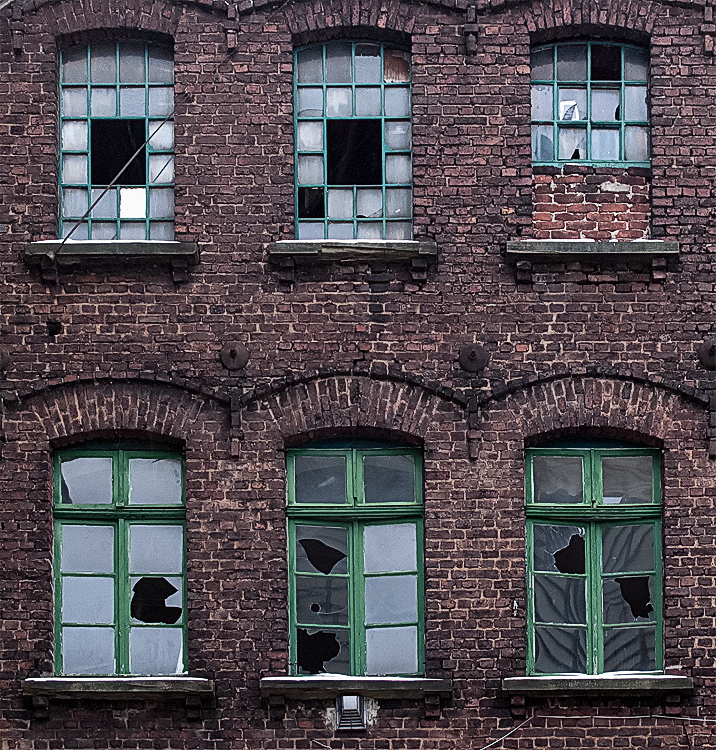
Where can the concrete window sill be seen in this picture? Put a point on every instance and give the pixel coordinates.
(605, 684)
(332, 686)
(117, 687)
(347, 249)
(587, 247)
(74, 251)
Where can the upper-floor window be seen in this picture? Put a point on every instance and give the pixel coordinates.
(353, 142)
(116, 108)
(589, 103)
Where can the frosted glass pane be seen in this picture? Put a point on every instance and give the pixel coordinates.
(155, 481)
(542, 143)
(560, 650)
(397, 102)
(398, 202)
(161, 203)
(88, 600)
(636, 64)
(79, 232)
(636, 144)
(628, 548)
(339, 102)
(161, 65)
(391, 599)
(131, 102)
(74, 135)
(635, 103)
(161, 101)
(310, 102)
(340, 204)
(74, 202)
(572, 143)
(368, 102)
(74, 169)
(310, 170)
(310, 230)
(87, 549)
(309, 65)
(399, 230)
(338, 63)
(367, 63)
(605, 145)
(543, 65)
(88, 651)
(398, 169)
(390, 548)
(156, 549)
(132, 231)
(156, 651)
(104, 230)
(74, 102)
(340, 231)
(162, 136)
(397, 136)
(161, 168)
(106, 208)
(86, 480)
(161, 230)
(605, 105)
(103, 64)
(132, 203)
(391, 650)
(369, 203)
(310, 136)
(572, 104)
(572, 62)
(131, 62)
(629, 649)
(542, 102)
(370, 230)
(103, 103)
(74, 65)
(322, 549)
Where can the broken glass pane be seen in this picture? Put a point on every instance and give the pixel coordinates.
(390, 548)
(132, 203)
(131, 62)
(354, 152)
(161, 230)
(74, 202)
(629, 649)
(397, 102)
(339, 102)
(310, 206)
(74, 169)
(161, 65)
(155, 651)
(86, 480)
(88, 650)
(627, 479)
(396, 66)
(391, 650)
(338, 63)
(572, 104)
(74, 102)
(636, 144)
(606, 62)
(542, 102)
(156, 549)
(309, 64)
(161, 204)
(322, 651)
(628, 548)
(161, 168)
(560, 600)
(605, 105)
(399, 230)
(322, 601)
(368, 102)
(320, 479)
(74, 65)
(114, 143)
(103, 102)
(103, 63)
(560, 650)
(389, 479)
(310, 170)
(542, 65)
(340, 231)
(161, 101)
(156, 600)
(397, 136)
(370, 230)
(369, 203)
(572, 62)
(391, 599)
(310, 102)
(310, 135)
(322, 549)
(155, 481)
(398, 169)
(559, 549)
(340, 204)
(106, 207)
(88, 600)
(605, 144)
(398, 202)
(557, 479)
(74, 135)
(572, 143)
(542, 143)
(367, 63)
(129, 230)
(628, 599)
(635, 103)
(162, 136)
(636, 64)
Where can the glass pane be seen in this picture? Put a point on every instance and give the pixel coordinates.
(156, 549)
(132, 203)
(323, 650)
(310, 102)
(396, 66)
(161, 169)
(572, 104)
(543, 65)
(340, 204)
(390, 548)
(338, 63)
(104, 102)
(627, 479)
(131, 62)
(88, 600)
(74, 135)
(320, 479)
(629, 649)
(339, 102)
(391, 650)
(76, 231)
(87, 549)
(399, 230)
(542, 143)
(542, 102)
(155, 481)
(367, 63)
(88, 651)
(560, 650)
(161, 230)
(398, 169)
(157, 600)
(635, 103)
(161, 101)
(605, 145)
(572, 62)
(389, 479)
(559, 549)
(391, 599)
(310, 170)
(86, 480)
(161, 203)
(131, 102)
(74, 102)
(132, 230)
(572, 143)
(560, 600)
(605, 105)
(310, 230)
(322, 549)
(397, 102)
(106, 207)
(74, 202)
(161, 65)
(557, 479)
(398, 202)
(636, 144)
(636, 64)
(103, 63)
(156, 651)
(309, 65)
(628, 599)
(370, 230)
(74, 169)
(369, 203)
(162, 136)
(104, 230)
(606, 62)
(310, 136)
(368, 102)
(74, 65)
(628, 548)
(321, 601)
(397, 136)
(340, 231)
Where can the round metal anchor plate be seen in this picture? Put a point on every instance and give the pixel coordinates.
(706, 353)
(234, 356)
(473, 358)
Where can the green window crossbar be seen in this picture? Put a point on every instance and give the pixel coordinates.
(353, 142)
(114, 96)
(355, 524)
(120, 593)
(590, 104)
(594, 561)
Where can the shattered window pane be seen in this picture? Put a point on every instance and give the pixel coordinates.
(628, 548)
(605, 105)
(322, 650)
(86, 481)
(156, 600)
(322, 601)
(113, 143)
(560, 650)
(321, 549)
(572, 143)
(559, 549)
(628, 599)
(389, 479)
(354, 152)
(629, 649)
(627, 479)
(320, 479)
(572, 104)
(557, 479)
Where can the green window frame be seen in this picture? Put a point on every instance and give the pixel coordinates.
(353, 142)
(590, 104)
(119, 562)
(594, 563)
(356, 580)
(114, 97)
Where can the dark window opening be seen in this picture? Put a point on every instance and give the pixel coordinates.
(355, 152)
(323, 557)
(606, 63)
(310, 203)
(148, 603)
(571, 559)
(314, 649)
(635, 591)
(113, 143)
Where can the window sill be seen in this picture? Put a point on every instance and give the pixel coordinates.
(589, 247)
(606, 684)
(332, 686)
(116, 687)
(384, 249)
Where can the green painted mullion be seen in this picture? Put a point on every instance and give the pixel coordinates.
(530, 596)
(357, 598)
(595, 608)
(123, 596)
(57, 557)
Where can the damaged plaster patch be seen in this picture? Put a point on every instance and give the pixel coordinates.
(614, 187)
